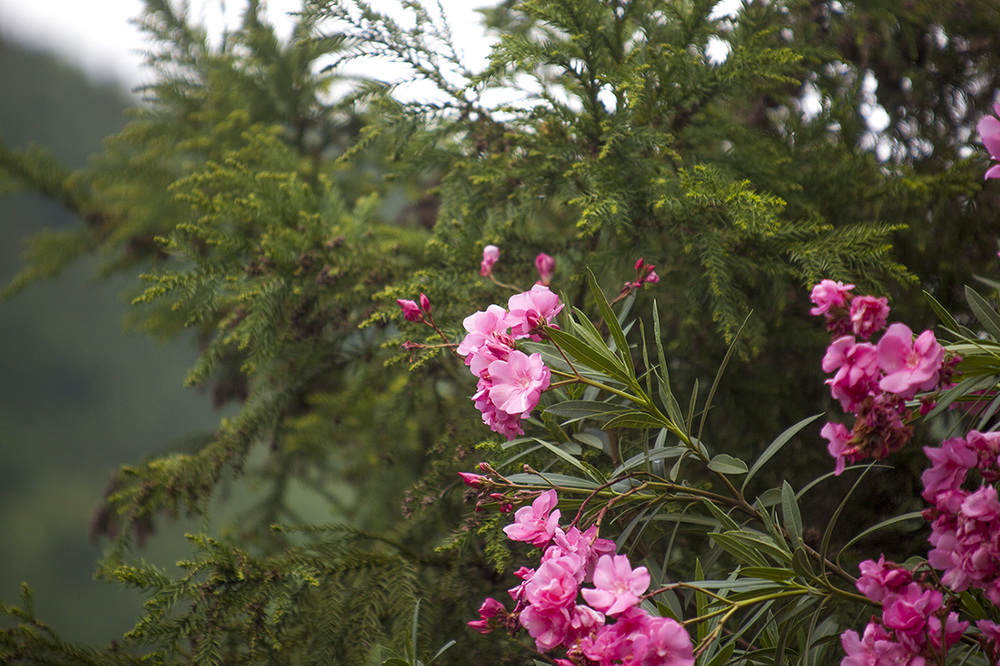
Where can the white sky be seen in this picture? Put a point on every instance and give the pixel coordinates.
(98, 35)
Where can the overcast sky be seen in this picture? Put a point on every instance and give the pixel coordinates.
(98, 34)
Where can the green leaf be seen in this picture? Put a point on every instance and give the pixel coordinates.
(790, 512)
(776, 446)
(663, 374)
(602, 360)
(612, 321)
(581, 409)
(984, 312)
(526, 479)
(912, 515)
(444, 648)
(636, 419)
(768, 573)
(723, 656)
(590, 440)
(586, 469)
(725, 521)
(718, 376)
(735, 546)
(942, 313)
(726, 464)
(649, 456)
(801, 564)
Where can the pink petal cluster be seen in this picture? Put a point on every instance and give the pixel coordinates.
(873, 381)
(910, 365)
(609, 627)
(868, 315)
(530, 310)
(989, 132)
(828, 295)
(644, 274)
(510, 381)
(910, 630)
(965, 525)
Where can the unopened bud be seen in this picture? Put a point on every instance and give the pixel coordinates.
(425, 303)
(473, 480)
(546, 267)
(491, 253)
(411, 311)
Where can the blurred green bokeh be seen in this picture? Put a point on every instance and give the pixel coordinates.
(78, 395)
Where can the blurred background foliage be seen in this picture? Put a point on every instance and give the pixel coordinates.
(276, 223)
(78, 395)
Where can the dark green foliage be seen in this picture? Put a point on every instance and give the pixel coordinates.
(264, 215)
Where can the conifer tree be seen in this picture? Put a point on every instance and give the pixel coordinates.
(280, 220)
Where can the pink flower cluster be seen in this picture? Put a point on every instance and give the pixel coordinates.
(510, 381)
(873, 381)
(965, 525)
(644, 274)
(989, 132)
(917, 627)
(609, 627)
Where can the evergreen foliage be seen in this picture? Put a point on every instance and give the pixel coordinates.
(263, 212)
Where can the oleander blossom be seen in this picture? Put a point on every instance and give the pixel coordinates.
(965, 524)
(989, 132)
(873, 380)
(829, 294)
(537, 523)
(868, 315)
(518, 382)
(910, 630)
(607, 627)
(510, 381)
(910, 365)
(530, 310)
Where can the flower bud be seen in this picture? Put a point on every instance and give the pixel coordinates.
(546, 267)
(411, 311)
(473, 480)
(425, 303)
(491, 253)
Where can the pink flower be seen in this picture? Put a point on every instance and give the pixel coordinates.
(950, 464)
(411, 311)
(549, 625)
(868, 315)
(499, 421)
(586, 545)
(829, 294)
(537, 523)
(489, 610)
(531, 309)
(555, 582)
(838, 437)
(546, 267)
(487, 335)
(878, 580)
(875, 649)
(908, 611)
(989, 132)
(618, 585)
(664, 643)
(491, 253)
(518, 382)
(910, 365)
(857, 368)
